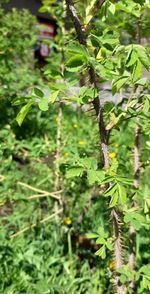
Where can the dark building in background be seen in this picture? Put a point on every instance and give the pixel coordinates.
(46, 25)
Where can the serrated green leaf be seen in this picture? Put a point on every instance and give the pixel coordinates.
(77, 48)
(75, 63)
(143, 56)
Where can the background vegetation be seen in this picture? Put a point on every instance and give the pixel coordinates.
(54, 196)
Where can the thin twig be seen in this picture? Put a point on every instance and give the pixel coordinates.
(43, 195)
(52, 194)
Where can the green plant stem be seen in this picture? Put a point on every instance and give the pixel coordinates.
(69, 245)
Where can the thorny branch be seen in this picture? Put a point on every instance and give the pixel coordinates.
(104, 148)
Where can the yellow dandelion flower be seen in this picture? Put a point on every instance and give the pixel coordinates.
(81, 142)
(75, 126)
(67, 221)
(112, 155)
(116, 145)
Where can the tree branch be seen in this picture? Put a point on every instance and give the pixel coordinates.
(104, 148)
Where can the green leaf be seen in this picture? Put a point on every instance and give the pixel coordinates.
(37, 92)
(101, 252)
(75, 63)
(114, 199)
(77, 48)
(43, 104)
(145, 282)
(112, 8)
(100, 240)
(143, 56)
(89, 162)
(95, 176)
(141, 82)
(136, 219)
(21, 100)
(123, 279)
(122, 194)
(57, 86)
(53, 96)
(111, 190)
(92, 236)
(74, 172)
(102, 233)
(23, 112)
(146, 106)
(125, 180)
(145, 269)
(109, 245)
(137, 71)
(119, 83)
(132, 58)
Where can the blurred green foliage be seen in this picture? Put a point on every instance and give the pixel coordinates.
(45, 255)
